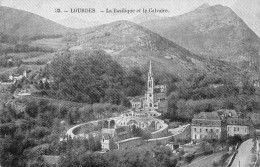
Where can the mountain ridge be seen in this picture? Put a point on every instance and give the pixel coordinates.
(214, 31)
(134, 45)
(22, 23)
(128, 43)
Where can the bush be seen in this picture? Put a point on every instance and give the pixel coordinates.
(146, 135)
(189, 158)
(233, 140)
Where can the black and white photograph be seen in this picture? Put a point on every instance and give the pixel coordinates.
(129, 83)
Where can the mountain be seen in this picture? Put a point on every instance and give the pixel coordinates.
(128, 43)
(75, 22)
(133, 45)
(248, 12)
(145, 17)
(211, 31)
(19, 23)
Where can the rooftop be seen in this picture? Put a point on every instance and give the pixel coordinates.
(225, 112)
(238, 121)
(136, 99)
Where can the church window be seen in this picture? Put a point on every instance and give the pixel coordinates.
(150, 84)
(151, 105)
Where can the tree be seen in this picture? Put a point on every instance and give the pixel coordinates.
(88, 78)
(233, 140)
(137, 131)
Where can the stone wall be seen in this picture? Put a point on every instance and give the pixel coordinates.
(186, 134)
(133, 142)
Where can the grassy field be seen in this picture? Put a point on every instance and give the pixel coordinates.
(43, 58)
(34, 67)
(55, 43)
(7, 70)
(25, 55)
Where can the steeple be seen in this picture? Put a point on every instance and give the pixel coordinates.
(150, 83)
(150, 73)
(150, 90)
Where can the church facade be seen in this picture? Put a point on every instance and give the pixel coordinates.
(154, 99)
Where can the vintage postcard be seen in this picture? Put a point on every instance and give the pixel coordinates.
(129, 83)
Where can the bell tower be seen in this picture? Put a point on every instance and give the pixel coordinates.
(150, 89)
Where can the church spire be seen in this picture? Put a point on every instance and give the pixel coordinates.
(150, 73)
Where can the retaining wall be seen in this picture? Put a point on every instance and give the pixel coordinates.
(132, 142)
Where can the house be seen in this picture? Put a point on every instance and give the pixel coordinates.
(137, 103)
(13, 77)
(206, 125)
(105, 141)
(238, 126)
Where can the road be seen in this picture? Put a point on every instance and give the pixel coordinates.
(206, 161)
(178, 130)
(243, 157)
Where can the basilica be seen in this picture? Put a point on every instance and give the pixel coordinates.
(155, 98)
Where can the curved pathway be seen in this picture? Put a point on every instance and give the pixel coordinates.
(243, 157)
(72, 135)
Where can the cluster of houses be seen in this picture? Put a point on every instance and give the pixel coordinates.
(226, 123)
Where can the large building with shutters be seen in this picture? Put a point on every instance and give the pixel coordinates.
(206, 125)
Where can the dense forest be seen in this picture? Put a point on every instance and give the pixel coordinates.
(93, 78)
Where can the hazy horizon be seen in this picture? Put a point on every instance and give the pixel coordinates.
(249, 12)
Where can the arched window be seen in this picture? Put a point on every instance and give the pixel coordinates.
(106, 124)
(112, 124)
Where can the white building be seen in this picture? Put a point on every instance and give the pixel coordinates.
(238, 126)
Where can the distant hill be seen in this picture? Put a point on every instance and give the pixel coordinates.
(145, 17)
(21, 23)
(132, 45)
(75, 22)
(211, 31)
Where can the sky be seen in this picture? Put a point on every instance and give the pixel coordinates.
(248, 10)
